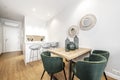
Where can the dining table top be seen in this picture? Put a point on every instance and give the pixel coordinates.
(69, 55)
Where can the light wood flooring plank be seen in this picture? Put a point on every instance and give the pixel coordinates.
(12, 67)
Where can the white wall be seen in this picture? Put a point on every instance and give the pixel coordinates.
(0, 37)
(105, 34)
(34, 26)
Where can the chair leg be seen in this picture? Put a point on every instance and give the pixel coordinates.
(72, 76)
(64, 74)
(42, 75)
(105, 75)
(51, 76)
(30, 56)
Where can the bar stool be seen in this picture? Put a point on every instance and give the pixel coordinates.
(34, 50)
(45, 46)
(54, 44)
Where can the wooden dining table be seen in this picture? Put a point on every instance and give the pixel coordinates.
(70, 55)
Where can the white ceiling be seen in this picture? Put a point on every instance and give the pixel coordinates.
(44, 9)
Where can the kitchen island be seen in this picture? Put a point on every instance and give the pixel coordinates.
(41, 44)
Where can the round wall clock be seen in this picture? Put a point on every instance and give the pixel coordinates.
(87, 22)
(73, 30)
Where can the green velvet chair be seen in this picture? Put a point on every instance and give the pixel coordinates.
(91, 69)
(103, 53)
(52, 65)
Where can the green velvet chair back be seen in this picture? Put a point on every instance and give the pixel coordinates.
(102, 52)
(90, 70)
(52, 64)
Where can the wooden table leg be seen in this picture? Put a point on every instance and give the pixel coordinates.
(52, 77)
(70, 69)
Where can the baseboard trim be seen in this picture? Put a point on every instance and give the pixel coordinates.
(11, 52)
(112, 75)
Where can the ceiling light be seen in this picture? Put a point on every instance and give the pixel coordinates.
(33, 9)
(48, 14)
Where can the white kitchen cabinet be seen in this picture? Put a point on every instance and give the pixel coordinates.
(27, 52)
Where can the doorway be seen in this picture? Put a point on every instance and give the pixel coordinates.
(11, 39)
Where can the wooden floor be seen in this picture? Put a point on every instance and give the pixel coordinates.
(12, 67)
